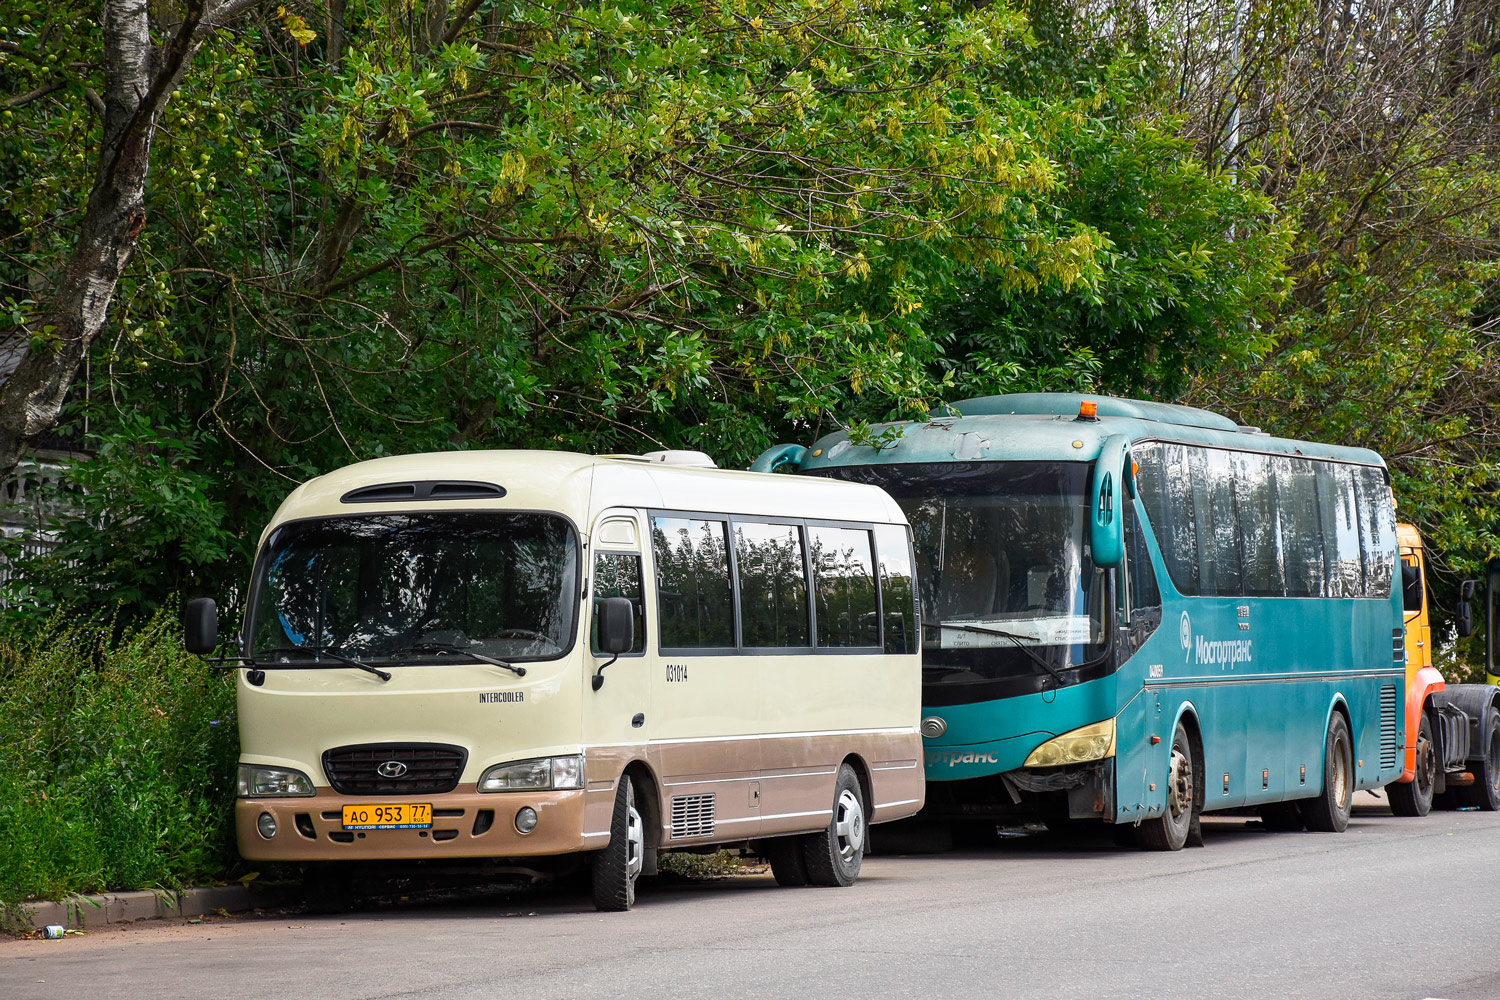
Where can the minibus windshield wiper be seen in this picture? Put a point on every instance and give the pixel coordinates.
(318, 651)
(443, 647)
(1019, 640)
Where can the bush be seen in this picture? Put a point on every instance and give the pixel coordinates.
(117, 757)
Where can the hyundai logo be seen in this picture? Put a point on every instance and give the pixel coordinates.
(391, 769)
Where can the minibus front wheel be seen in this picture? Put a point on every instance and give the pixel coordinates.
(617, 867)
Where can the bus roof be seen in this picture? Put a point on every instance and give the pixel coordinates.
(575, 485)
(1046, 427)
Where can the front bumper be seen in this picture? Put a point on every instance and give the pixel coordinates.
(465, 824)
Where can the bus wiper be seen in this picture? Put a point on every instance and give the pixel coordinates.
(318, 651)
(1019, 640)
(443, 647)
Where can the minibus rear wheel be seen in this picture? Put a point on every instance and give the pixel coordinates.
(833, 855)
(785, 856)
(617, 867)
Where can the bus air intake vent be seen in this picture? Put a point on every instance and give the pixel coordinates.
(1387, 726)
(394, 768)
(426, 489)
(692, 816)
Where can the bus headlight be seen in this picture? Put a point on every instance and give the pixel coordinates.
(544, 772)
(1089, 743)
(259, 782)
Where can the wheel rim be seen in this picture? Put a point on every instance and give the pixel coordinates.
(635, 842)
(1341, 771)
(1426, 769)
(849, 825)
(1180, 782)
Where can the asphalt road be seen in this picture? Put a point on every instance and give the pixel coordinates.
(1398, 908)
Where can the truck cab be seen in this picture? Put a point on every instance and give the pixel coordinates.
(1453, 742)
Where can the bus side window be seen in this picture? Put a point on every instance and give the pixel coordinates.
(618, 574)
(1145, 595)
(844, 582)
(695, 609)
(897, 594)
(773, 585)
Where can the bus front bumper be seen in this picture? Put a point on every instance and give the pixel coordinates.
(465, 824)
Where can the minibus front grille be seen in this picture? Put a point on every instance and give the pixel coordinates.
(1387, 726)
(394, 768)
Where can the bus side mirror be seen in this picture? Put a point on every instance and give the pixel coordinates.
(1107, 502)
(1464, 619)
(201, 623)
(616, 625)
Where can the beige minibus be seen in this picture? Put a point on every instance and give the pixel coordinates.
(546, 660)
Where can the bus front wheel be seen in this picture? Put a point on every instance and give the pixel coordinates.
(1329, 811)
(1414, 797)
(1169, 831)
(617, 867)
(833, 855)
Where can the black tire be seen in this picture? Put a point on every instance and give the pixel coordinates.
(1281, 817)
(328, 889)
(833, 855)
(1414, 797)
(1328, 812)
(1169, 831)
(1485, 792)
(617, 867)
(787, 863)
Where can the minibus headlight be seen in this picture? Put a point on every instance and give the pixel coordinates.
(544, 772)
(1081, 745)
(259, 782)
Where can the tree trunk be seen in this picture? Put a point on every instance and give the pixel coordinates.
(38, 367)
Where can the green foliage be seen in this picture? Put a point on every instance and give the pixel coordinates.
(699, 867)
(1192, 259)
(117, 759)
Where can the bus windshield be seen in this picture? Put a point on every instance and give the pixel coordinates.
(1006, 582)
(416, 588)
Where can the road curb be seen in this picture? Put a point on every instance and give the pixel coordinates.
(96, 910)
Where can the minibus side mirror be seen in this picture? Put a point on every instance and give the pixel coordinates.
(1464, 619)
(201, 623)
(616, 625)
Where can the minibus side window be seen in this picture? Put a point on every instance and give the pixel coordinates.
(897, 595)
(618, 574)
(773, 585)
(694, 607)
(844, 581)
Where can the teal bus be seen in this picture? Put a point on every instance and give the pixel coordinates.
(1139, 612)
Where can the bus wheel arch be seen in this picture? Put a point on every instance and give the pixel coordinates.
(1176, 825)
(648, 804)
(866, 784)
(1329, 810)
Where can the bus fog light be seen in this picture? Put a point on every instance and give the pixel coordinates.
(266, 824)
(526, 820)
(1080, 746)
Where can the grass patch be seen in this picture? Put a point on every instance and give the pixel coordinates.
(684, 864)
(117, 758)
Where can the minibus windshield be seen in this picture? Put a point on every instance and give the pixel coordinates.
(418, 588)
(1006, 582)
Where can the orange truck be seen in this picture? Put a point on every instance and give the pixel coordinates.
(1454, 759)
